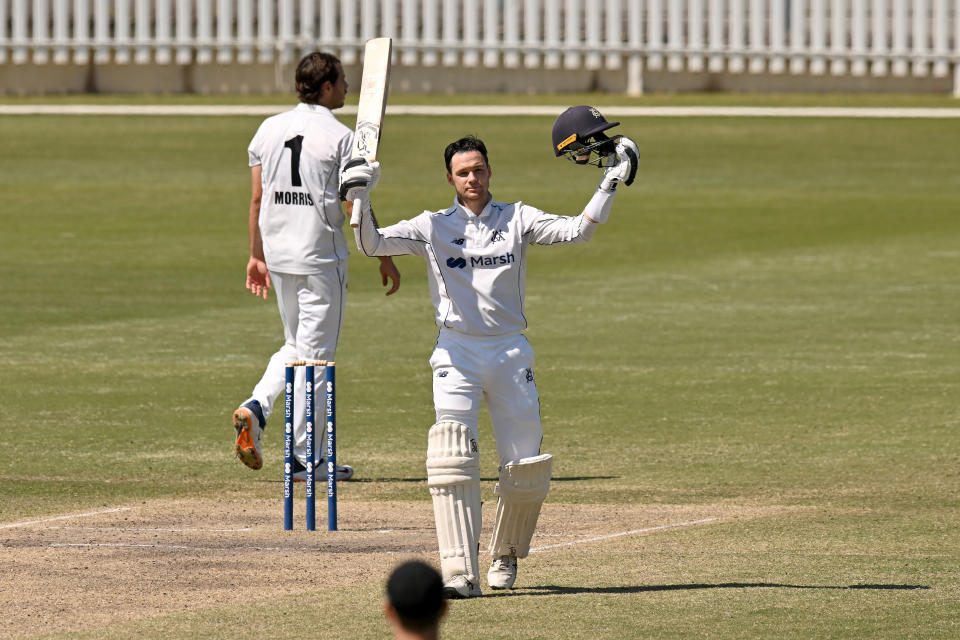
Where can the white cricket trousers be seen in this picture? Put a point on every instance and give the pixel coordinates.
(499, 369)
(311, 309)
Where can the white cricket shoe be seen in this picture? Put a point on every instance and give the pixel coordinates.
(459, 587)
(248, 422)
(344, 471)
(502, 573)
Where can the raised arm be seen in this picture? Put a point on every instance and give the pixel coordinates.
(544, 228)
(547, 228)
(399, 239)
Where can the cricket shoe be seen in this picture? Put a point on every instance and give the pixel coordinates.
(503, 572)
(459, 587)
(344, 472)
(248, 421)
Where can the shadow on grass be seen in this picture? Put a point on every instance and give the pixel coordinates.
(424, 479)
(555, 590)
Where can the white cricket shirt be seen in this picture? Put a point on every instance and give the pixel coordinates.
(477, 263)
(301, 153)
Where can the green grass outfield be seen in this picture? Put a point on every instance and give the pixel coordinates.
(769, 319)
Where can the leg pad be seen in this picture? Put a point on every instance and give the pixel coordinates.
(523, 486)
(453, 475)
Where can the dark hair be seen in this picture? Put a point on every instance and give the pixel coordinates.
(415, 590)
(312, 71)
(467, 143)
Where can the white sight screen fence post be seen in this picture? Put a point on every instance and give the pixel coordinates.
(184, 32)
(451, 38)
(859, 38)
(614, 33)
(532, 39)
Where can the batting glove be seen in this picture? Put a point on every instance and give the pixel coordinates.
(621, 165)
(358, 178)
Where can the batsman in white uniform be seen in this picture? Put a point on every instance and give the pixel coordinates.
(476, 253)
(297, 244)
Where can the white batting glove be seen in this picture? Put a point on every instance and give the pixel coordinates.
(622, 165)
(358, 178)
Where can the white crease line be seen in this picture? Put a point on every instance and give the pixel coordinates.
(151, 529)
(182, 547)
(676, 525)
(77, 515)
(186, 547)
(177, 547)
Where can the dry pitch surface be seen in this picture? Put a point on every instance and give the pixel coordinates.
(117, 564)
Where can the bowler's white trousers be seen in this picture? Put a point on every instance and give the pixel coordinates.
(311, 309)
(468, 369)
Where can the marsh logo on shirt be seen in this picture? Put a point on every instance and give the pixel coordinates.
(481, 262)
(492, 261)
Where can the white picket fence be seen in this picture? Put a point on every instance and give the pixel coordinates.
(839, 37)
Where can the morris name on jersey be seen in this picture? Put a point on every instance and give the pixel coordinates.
(293, 197)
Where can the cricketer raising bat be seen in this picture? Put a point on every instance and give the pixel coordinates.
(373, 103)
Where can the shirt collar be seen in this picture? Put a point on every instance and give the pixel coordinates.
(312, 108)
(485, 213)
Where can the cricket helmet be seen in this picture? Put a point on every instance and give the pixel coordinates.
(578, 131)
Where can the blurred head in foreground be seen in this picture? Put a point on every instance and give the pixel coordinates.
(415, 601)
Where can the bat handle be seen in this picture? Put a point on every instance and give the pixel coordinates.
(355, 214)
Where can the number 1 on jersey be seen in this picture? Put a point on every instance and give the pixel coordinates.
(295, 145)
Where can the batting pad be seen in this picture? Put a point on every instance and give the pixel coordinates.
(453, 475)
(523, 486)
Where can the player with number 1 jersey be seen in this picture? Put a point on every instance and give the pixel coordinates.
(297, 243)
(300, 152)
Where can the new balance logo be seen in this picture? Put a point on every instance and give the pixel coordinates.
(456, 263)
(458, 241)
(442, 374)
(529, 373)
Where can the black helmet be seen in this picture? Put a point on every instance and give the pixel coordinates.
(578, 131)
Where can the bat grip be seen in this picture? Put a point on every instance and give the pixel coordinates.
(355, 214)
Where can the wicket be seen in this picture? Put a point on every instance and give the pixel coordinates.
(331, 430)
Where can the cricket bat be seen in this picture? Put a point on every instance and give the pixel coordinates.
(373, 103)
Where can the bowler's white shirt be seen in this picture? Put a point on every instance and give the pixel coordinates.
(477, 263)
(301, 226)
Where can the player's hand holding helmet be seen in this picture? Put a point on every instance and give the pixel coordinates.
(621, 165)
(578, 134)
(359, 176)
